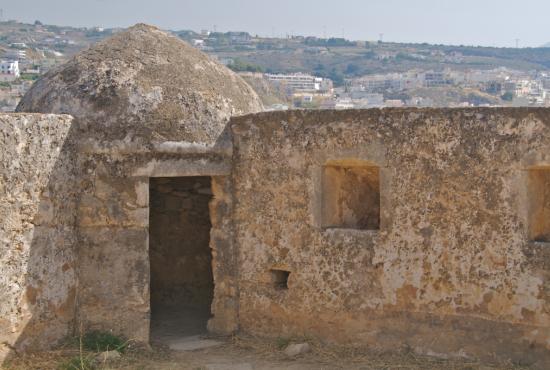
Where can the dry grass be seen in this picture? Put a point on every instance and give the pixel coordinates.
(261, 353)
(135, 358)
(347, 357)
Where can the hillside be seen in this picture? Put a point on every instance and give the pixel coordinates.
(338, 59)
(335, 58)
(375, 58)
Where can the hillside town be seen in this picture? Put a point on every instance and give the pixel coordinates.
(407, 75)
(416, 88)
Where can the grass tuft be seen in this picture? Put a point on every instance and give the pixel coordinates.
(77, 363)
(98, 341)
(282, 343)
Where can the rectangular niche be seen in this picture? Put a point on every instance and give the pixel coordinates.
(279, 279)
(538, 191)
(351, 195)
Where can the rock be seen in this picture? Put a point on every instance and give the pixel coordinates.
(107, 356)
(192, 343)
(297, 349)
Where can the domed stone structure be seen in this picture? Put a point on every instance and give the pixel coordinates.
(143, 85)
(149, 136)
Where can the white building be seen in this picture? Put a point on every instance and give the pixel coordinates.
(276, 107)
(390, 81)
(9, 70)
(436, 79)
(301, 82)
(15, 54)
(18, 45)
(344, 104)
(198, 43)
(367, 100)
(376, 83)
(395, 103)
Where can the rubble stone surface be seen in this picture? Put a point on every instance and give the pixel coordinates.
(38, 187)
(451, 268)
(141, 86)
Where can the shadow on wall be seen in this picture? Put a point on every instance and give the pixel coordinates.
(38, 262)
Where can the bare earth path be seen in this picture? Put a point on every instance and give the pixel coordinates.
(246, 353)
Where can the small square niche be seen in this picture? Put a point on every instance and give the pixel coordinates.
(279, 279)
(538, 190)
(351, 196)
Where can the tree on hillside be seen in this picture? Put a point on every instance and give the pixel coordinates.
(351, 69)
(240, 66)
(508, 96)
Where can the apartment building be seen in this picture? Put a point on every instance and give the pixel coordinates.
(301, 82)
(9, 70)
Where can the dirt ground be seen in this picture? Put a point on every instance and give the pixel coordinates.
(247, 353)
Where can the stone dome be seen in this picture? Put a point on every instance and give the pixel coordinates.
(143, 85)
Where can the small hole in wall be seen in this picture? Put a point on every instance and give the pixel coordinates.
(279, 278)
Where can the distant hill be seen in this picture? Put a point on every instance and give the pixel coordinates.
(337, 59)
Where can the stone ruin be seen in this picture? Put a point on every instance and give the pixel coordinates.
(132, 202)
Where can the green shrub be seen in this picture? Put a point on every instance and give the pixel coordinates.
(508, 96)
(282, 343)
(29, 76)
(99, 341)
(241, 66)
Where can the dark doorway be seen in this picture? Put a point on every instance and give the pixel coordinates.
(181, 261)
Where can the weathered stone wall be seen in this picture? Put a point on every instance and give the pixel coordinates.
(451, 271)
(113, 247)
(38, 187)
(225, 268)
(426, 229)
(113, 224)
(75, 231)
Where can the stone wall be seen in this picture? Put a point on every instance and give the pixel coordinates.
(451, 269)
(423, 229)
(38, 187)
(74, 231)
(113, 225)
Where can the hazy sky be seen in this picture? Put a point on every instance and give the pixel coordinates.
(469, 22)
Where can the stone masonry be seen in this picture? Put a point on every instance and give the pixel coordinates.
(424, 229)
(451, 270)
(38, 192)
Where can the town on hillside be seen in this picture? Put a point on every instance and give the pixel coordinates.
(297, 72)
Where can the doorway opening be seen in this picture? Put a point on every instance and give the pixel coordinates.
(182, 285)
